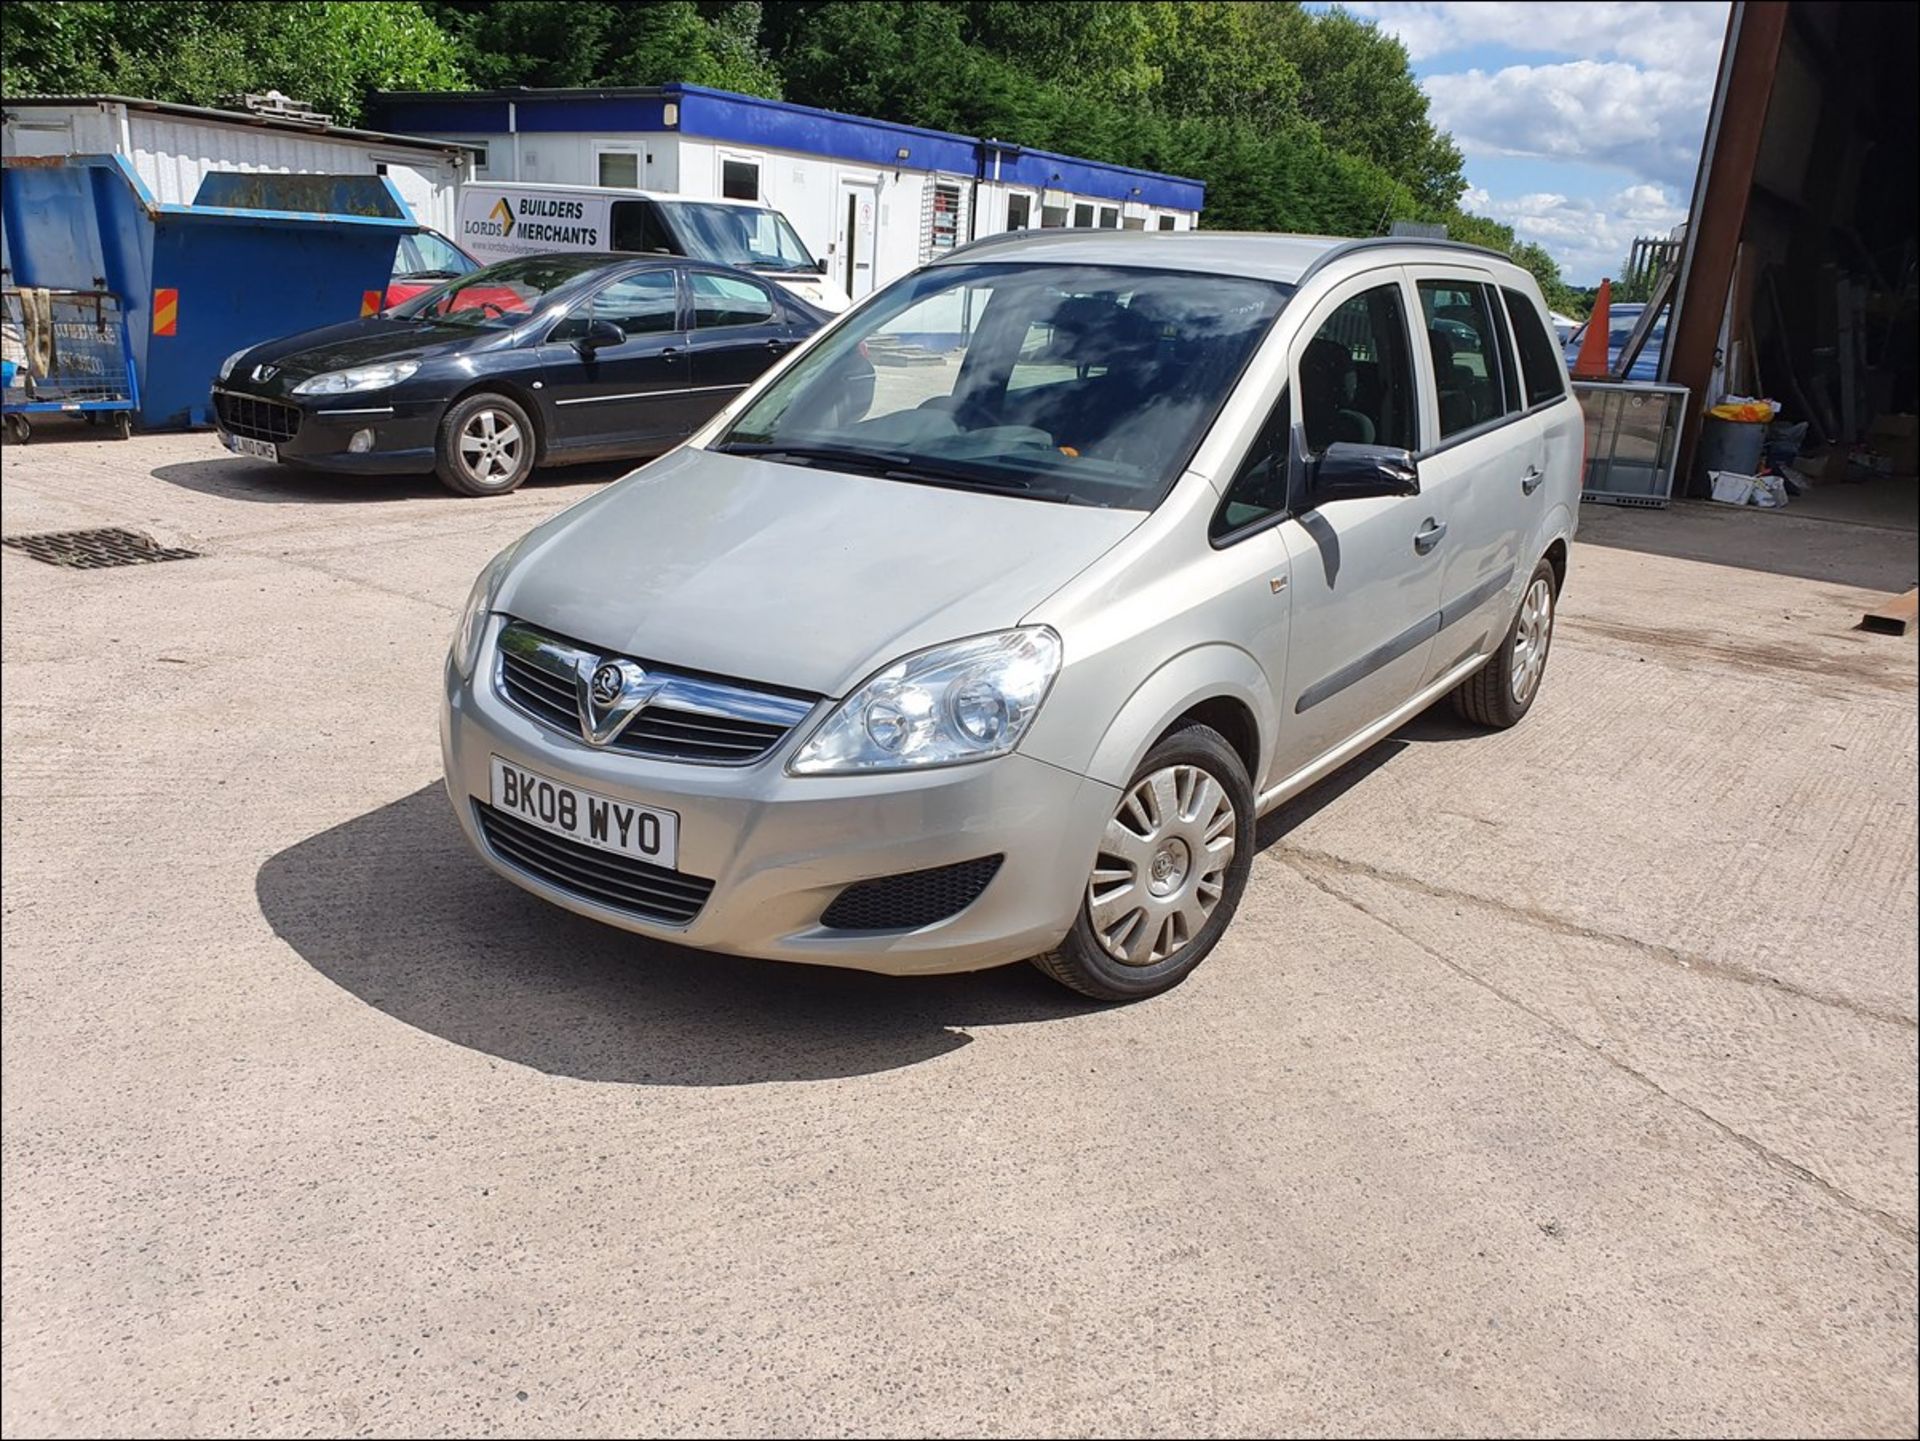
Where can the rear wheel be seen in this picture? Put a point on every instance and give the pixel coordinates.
(1172, 865)
(485, 447)
(1502, 690)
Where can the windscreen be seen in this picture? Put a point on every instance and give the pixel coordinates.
(737, 235)
(500, 295)
(1085, 384)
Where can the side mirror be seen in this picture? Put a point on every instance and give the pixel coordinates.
(600, 335)
(1345, 471)
(821, 266)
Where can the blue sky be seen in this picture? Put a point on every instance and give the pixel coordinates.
(1580, 121)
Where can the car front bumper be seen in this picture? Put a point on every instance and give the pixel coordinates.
(780, 848)
(403, 433)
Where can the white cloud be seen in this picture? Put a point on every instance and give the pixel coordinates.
(1647, 123)
(1589, 237)
(1669, 36)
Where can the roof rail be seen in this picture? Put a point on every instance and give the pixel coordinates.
(1377, 242)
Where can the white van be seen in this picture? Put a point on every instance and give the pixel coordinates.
(505, 221)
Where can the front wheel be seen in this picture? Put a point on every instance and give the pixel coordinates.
(485, 446)
(1502, 690)
(1171, 868)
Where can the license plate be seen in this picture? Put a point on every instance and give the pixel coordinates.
(240, 445)
(593, 820)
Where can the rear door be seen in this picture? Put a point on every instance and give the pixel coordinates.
(1366, 584)
(739, 329)
(625, 398)
(1486, 458)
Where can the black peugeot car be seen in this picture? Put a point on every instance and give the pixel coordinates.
(537, 361)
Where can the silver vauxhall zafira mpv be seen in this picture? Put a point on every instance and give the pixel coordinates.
(983, 627)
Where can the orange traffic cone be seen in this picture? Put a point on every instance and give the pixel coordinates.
(1591, 363)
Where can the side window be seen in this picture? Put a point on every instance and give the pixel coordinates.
(722, 300)
(640, 305)
(1356, 376)
(437, 253)
(1259, 487)
(1466, 372)
(637, 229)
(1539, 359)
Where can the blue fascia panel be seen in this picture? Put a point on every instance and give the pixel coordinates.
(779, 125)
(452, 116)
(591, 114)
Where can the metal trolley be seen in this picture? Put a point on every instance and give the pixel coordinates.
(90, 371)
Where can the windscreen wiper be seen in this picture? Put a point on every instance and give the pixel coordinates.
(887, 464)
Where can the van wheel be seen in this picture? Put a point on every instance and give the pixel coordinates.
(1502, 690)
(1172, 865)
(485, 447)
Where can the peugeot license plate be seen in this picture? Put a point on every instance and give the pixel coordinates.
(593, 820)
(241, 445)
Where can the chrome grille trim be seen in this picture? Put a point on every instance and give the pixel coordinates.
(698, 720)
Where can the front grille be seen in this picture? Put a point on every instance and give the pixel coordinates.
(256, 419)
(912, 898)
(651, 892)
(537, 673)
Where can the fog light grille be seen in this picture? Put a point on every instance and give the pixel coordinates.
(910, 899)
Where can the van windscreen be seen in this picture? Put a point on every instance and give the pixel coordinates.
(743, 235)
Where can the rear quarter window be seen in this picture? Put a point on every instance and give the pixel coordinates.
(1539, 356)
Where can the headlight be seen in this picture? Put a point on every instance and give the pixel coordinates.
(473, 620)
(955, 703)
(361, 377)
(226, 366)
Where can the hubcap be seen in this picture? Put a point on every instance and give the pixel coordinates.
(490, 446)
(1530, 636)
(1162, 866)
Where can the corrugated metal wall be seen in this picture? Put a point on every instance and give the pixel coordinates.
(173, 153)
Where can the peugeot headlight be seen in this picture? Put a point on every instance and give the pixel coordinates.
(227, 365)
(955, 703)
(361, 377)
(473, 620)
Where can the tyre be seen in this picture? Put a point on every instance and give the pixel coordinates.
(486, 446)
(1172, 865)
(1502, 690)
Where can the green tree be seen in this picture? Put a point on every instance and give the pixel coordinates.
(327, 53)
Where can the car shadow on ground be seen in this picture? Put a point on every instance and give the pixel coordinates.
(393, 907)
(236, 478)
(1435, 725)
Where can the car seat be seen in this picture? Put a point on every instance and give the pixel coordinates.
(1327, 383)
(1454, 383)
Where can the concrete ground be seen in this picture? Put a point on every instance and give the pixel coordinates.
(1561, 1080)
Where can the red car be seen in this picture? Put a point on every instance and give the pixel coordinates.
(424, 261)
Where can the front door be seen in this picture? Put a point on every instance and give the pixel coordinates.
(1365, 573)
(738, 331)
(856, 243)
(621, 399)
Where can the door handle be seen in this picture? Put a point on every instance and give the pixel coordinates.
(1530, 482)
(670, 353)
(780, 347)
(1428, 536)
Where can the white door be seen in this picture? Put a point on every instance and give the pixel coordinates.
(854, 248)
(416, 187)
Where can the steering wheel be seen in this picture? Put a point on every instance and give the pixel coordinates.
(494, 306)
